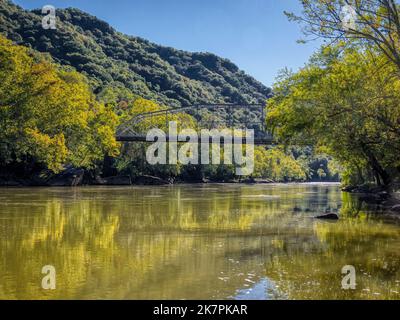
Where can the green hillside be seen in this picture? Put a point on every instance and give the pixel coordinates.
(112, 59)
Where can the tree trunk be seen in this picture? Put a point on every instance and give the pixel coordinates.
(376, 166)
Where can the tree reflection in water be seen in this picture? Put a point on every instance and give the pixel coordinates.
(194, 242)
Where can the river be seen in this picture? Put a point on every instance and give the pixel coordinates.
(217, 241)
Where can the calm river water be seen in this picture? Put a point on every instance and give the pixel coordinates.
(195, 242)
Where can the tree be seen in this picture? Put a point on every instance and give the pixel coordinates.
(376, 23)
(132, 160)
(48, 115)
(346, 103)
(277, 165)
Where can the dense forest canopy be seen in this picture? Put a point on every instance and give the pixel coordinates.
(49, 115)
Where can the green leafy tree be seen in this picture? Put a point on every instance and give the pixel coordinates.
(346, 103)
(48, 115)
(375, 23)
(276, 165)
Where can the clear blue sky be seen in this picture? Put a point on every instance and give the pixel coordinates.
(254, 34)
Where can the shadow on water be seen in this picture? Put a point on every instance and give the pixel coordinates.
(194, 242)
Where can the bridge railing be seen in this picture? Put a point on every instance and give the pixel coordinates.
(129, 130)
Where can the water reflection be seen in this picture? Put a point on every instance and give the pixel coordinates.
(194, 242)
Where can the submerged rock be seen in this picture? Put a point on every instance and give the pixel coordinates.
(329, 216)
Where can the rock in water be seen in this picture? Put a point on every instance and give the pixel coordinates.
(329, 216)
(395, 208)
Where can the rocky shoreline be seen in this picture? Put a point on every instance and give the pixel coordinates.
(76, 180)
(73, 177)
(387, 200)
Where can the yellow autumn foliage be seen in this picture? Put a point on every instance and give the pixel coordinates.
(48, 115)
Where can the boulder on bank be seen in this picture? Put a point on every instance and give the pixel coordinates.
(252, 180)
(9, 183)
(328, 216)
(357, 189)
(113, 181)
(249, 180)
(395, 208)
(150, 180)
(264, 181)
(370, 195)
(70, 177)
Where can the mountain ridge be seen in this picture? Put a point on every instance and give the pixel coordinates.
(110, 58)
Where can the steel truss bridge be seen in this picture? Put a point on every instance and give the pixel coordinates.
(230, 116)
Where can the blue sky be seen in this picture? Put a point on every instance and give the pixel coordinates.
(254, 34)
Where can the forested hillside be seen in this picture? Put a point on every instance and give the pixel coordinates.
(63, 93)
(113, 60)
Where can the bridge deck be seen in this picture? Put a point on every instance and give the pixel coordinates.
(142, 138)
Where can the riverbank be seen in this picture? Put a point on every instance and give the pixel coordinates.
(384, 198)
(73, 177)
